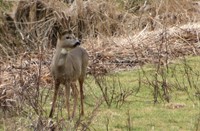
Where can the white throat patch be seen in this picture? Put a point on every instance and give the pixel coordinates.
(63, 51)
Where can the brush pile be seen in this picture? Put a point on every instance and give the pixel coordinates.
(128, 52)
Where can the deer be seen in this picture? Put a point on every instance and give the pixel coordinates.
(69, 65)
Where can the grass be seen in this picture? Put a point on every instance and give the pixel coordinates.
(143, 113)
(138, 111)
(146, 116)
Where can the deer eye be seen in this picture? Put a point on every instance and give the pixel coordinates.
(67, 37)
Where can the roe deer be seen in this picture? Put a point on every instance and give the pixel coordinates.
(69, 65)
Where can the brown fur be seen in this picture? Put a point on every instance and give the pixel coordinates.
(69, 64)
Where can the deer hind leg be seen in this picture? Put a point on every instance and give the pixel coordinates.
(81, 95)
(57, 84)
(75, 94)
(67, 95)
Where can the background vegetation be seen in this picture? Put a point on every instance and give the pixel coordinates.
(143, 72)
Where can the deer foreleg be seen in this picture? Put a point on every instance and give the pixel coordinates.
(75, 94)
(54, 98)
(67, 95)
(81, 96)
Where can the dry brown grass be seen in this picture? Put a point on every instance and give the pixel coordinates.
(99, 24)
(110, 32)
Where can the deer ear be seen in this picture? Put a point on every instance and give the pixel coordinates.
(59, 34)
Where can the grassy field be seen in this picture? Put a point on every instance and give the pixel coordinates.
(139, 111)
(130, 106)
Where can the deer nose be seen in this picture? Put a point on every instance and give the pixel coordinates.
(77, 43)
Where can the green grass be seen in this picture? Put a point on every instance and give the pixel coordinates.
(143, 113)
(138, 108)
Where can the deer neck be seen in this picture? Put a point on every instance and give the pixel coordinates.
(61, 56)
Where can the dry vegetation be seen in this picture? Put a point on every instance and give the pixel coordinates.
(118, 34)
